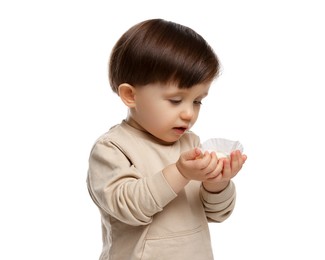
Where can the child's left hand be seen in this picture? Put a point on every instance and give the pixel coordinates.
(231, 166)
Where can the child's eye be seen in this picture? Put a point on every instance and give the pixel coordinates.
(175, 101)
(198, 102)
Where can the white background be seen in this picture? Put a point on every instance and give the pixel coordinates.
(55, 101)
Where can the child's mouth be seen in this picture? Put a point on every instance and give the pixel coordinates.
(180, 130)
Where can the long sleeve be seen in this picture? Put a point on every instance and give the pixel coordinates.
(219, 206)
(119, 189)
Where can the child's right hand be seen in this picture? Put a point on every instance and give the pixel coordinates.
(194, 165)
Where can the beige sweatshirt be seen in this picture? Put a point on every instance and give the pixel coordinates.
(142, 217)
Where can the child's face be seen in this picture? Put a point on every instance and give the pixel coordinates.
(167, 112)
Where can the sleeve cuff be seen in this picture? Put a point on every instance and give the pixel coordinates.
(216, 198)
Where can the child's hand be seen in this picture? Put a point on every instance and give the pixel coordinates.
(231, 166)
(194, 165)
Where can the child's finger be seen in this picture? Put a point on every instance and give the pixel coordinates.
(226, 171)
(192, 154)
(236, 161)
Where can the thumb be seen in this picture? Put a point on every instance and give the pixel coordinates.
(192, 154)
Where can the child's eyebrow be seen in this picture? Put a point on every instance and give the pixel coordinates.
(203, 95)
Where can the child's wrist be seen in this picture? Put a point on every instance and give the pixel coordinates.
(174, 177)
(215, 187)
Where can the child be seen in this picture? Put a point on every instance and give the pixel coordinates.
(155, 189)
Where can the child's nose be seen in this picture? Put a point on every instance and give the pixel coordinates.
(187, 113)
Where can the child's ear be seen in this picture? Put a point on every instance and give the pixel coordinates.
(127, 94)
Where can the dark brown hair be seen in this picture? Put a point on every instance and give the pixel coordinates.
(161, 51)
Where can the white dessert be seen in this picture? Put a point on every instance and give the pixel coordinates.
(218, 153)
(221, 155)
